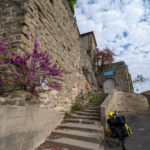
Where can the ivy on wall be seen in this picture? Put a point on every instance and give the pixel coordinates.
(72, 4)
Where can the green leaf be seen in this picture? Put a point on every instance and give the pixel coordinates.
(72, 4)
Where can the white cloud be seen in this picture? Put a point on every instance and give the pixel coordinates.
(143, 86)
(121, 25)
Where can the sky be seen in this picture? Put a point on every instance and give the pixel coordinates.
(124, 27)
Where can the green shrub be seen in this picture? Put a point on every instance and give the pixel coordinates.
(89, 93)
(67, 115)
(94, 97)
(72, 4)
(77, 106)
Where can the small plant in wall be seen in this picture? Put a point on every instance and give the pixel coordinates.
(77, 106)
(94, 97)
(67, 115)
(34, 71)
(72, 4)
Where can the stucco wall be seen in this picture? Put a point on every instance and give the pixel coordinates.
(23, 128)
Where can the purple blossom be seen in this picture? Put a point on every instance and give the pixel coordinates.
(18, 74)
(1, 62)
(32, 67)
(36, 44)
(8, 43)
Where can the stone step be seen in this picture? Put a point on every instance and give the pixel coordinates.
(86, 113)
(95, 103)
(93, 107)
(73, 144)
(82, 131)
(91, 110)
(83, 121)
(81, 127)
(85, 117)
(79, 135)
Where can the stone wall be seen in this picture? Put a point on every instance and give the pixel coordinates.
(53, 24)
(12, 15)
(147, 95)
(88, 44)
(109, 104)
(132, 102)
(121, 77)
(24, 128)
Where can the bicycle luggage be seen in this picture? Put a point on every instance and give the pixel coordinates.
(118, 121)
(128, 129)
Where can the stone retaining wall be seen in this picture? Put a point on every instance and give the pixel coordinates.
(122, 102)
(147, 95)
(109, 104)
(24, 128)
(53, 24)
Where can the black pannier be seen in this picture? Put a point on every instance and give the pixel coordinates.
(116, 121)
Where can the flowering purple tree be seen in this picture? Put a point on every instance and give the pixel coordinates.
(104, 56)
(32, 69)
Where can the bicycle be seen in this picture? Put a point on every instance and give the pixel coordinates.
(118, 128)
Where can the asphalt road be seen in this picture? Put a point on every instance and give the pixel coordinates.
(140, 140)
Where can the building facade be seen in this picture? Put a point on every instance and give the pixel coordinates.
(87, 45)
(114, 76)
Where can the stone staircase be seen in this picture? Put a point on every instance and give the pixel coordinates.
(81, 131)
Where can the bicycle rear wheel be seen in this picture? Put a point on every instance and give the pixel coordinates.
(121, 137)
(123, 144)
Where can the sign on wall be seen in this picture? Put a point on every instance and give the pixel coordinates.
(109, 73)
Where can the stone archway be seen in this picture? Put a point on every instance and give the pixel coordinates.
(108, 86)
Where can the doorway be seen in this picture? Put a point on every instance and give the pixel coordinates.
(108, 86)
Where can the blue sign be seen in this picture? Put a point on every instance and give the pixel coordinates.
(109, 73)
